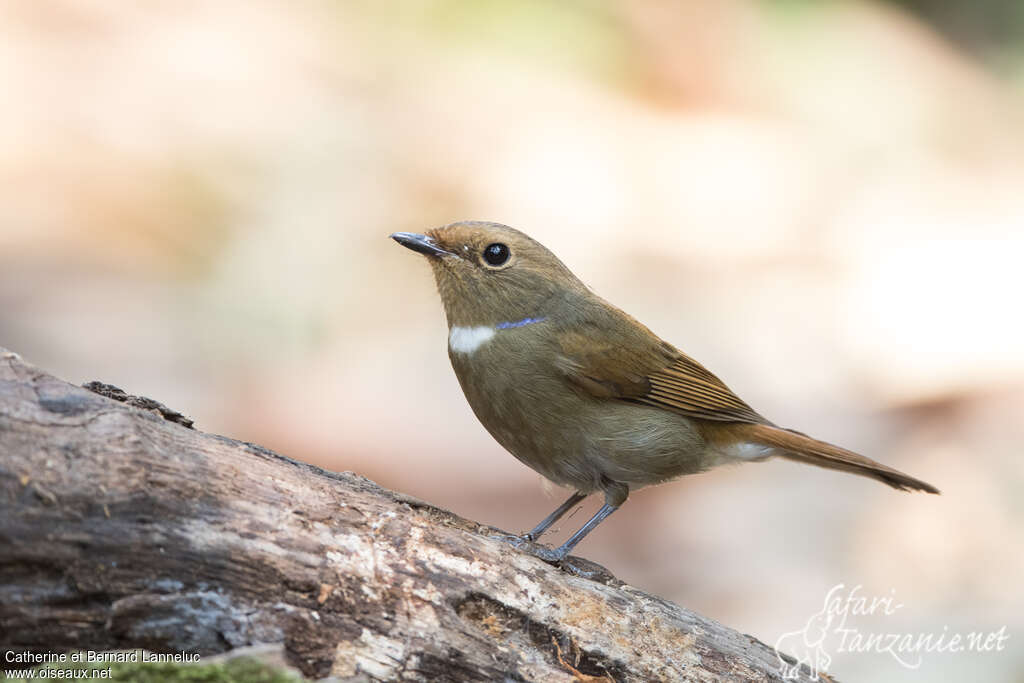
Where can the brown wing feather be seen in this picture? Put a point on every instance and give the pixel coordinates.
(643, 369)
(689, 388)
(605, 370)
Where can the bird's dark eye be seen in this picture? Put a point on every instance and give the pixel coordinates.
(496, 254)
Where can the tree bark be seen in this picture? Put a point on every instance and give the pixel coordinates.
(122, 529)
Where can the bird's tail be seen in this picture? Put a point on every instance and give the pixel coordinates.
(802, 448)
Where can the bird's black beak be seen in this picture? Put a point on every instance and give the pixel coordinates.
(421, 243)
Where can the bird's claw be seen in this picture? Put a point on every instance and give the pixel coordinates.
(545, 553)
(526, 544)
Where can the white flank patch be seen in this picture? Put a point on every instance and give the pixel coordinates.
(747, 451)
(468, 339)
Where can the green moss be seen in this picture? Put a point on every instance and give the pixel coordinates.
(237, 670)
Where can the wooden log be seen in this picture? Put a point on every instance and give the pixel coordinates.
(122, 529)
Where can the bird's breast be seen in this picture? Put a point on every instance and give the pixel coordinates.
(512, 381)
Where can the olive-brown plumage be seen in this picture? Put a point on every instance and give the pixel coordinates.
(580, 391)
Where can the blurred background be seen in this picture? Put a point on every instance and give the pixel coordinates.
(821, 201)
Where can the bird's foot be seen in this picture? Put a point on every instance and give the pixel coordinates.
(578, 566)
(549, 555)
(559, 557)
(526, 544)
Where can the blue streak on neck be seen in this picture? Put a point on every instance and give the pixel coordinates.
(519, 323)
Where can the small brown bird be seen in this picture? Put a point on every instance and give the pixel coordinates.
(580, 391)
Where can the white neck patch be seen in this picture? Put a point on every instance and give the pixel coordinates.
(469, 339)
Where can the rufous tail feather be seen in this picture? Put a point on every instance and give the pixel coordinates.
(802, 448)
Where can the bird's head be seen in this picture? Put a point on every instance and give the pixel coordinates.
(488, 273)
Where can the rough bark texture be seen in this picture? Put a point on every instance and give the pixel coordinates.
(121, 529)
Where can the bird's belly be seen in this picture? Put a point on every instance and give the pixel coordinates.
(576, 440)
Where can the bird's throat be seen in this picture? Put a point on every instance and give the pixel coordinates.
(467, 340)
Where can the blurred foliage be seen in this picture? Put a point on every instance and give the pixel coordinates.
(524, 30)
(983, 26)
(990, 29)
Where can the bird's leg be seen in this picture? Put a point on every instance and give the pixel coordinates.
(554, 516)
(615, 494)
(559, 553)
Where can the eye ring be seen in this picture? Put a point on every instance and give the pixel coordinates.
(496, 254)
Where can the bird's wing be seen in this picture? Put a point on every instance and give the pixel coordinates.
(636, 366)
(689, 388)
